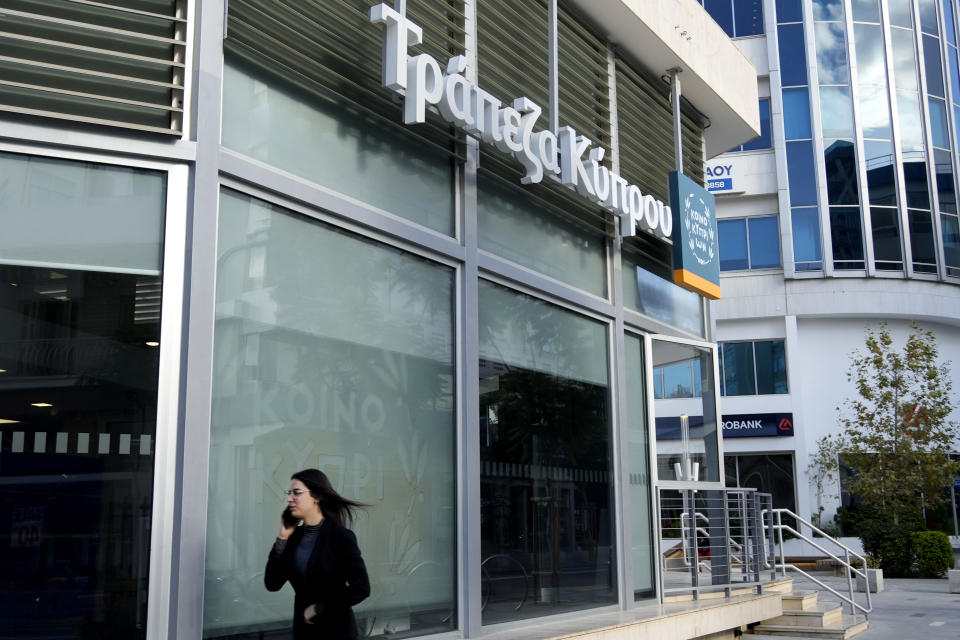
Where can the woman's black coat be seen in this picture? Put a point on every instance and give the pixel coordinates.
(336, 579)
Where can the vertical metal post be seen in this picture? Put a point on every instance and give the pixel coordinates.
(692, 532)
(677, 123)
(953, 504)
(554, 68)
(846, 557)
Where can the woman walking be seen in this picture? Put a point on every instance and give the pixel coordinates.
(320, 558)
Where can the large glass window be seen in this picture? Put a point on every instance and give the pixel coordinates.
(336, 145)
(547, 541)
(738, 18)
(766, 472)
(346, 369)
(749, 243)
(80, 286)
(686, 420)
(807, 253)
(753, 368)
(764, 140)
(638, 455)
(659, 298)
(515, 225)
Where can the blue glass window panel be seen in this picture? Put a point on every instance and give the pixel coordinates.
(868, 47)
(949, 23)
(915, 177)
(954, 72)
(938, 123)
(678, 380)
(806, 238)
(733, 244)
(866, 10)
(793, 62)
(951, 240)
(658, 382)
(886, 238)
(831, 53)
(827, 10)
(911, 124)
(922, 246)
(771, 359)
(748, 17)
(801, 173)
(697, 379)
(796, 114)
(722, 12)
(904, 59)
(946, 196)
(764, 141)
(836, 112)
(847, 237)
(881, 186)
(789, 11)
(900, 14)
(764, 242)
(928, 16)
(738, 373)
(956, 122)
(841, 168)
(875, 113)
(932, 66)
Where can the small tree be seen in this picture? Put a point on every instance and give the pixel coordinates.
(823, 471)
(897, 433)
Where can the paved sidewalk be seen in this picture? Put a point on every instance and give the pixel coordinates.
(908, 609)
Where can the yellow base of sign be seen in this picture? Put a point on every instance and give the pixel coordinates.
(695, 283)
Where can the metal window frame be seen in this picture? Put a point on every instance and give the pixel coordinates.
(166, 436)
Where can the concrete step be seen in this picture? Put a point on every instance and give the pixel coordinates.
(849, 627)
(800, 600)
(824, 614)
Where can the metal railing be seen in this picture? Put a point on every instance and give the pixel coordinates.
(719, 537)
(854, 563)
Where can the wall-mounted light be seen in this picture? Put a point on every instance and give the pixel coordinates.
(5, 421)
(40, 404)
(152, 343)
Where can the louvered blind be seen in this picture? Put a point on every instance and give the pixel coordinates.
(584, 90)
(331, 46)
(111, 62)
(645, 133)
(512, 56)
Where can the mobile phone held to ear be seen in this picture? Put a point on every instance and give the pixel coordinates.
(288, 519)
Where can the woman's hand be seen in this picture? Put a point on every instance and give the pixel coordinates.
(309, 614)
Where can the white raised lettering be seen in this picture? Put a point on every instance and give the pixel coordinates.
(426, 87)
(400, 34)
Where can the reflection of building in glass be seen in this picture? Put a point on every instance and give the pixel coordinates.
(859, 178)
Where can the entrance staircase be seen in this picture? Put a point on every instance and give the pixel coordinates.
(806, 616)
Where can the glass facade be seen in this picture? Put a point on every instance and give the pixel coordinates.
(887, 94)
(288, 276)
(80, 285)
(350, 372)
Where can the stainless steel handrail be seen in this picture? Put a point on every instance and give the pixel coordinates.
(778, 527)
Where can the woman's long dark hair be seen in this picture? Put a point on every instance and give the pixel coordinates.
(332, 504)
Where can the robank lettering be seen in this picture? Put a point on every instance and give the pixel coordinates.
(509, 128)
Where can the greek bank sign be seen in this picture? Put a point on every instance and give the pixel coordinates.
(696, 250)
(569, 156)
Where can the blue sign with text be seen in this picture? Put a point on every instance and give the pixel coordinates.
(696, 243)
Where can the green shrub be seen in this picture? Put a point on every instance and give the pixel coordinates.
(933, 551)
(891, 544)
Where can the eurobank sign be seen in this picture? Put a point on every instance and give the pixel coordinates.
(569, 156)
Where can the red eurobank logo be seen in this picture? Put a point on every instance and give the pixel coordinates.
(757, 425)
